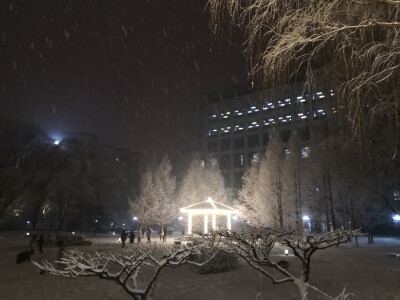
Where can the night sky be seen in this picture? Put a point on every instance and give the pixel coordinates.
(135, 73)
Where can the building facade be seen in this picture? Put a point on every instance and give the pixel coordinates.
(236, 131)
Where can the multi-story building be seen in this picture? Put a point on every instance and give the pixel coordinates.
(236, 130)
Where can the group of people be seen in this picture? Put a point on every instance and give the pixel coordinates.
(162, 232)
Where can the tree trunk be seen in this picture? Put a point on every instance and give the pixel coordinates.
(331, 200)
(326, 206)
(302, 288)
(280, 211)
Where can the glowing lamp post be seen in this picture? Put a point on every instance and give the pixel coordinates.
(206, 208)
(306, 223)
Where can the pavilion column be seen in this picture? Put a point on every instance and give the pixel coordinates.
(214, 221)
(205, 224)
(229, 221)
(190, 223)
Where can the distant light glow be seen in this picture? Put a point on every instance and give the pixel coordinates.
(27, 234)
(56, 142)
(235, 217)
(113, 233)
(96, 221)
(180, 218)
(28, 222)
(134, 218)
(119, 240)
(73, 232)
(396, 218)
(286, 252)
(306, 218)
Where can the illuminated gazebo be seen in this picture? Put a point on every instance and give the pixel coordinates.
(209, 208)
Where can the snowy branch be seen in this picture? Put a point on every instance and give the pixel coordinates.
(126, 268)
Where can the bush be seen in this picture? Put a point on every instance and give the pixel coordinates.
(222, 262)
(71, 239)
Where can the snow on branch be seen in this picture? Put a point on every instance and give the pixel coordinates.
(127, 269)
(256, 248)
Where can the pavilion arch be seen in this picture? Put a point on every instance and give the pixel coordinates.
(209, 208)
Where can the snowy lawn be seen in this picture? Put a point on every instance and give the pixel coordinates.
(371, 272)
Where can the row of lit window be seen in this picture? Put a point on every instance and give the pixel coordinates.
(266, 123)
(266, 106)
(238, 159)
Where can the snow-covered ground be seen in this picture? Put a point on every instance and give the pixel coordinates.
(370, 271)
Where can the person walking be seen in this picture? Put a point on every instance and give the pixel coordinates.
(160, 233)
(131, 237)
(148, 235)
(32, 244)
(61, 249)
(165, 234)
(40, 243)
(123, 238)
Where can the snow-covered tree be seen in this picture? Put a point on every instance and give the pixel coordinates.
(251, 204)
(355, 41)
(156, 203)
(293, 171)
(164, 182)
(260, 199)
(136, 270)
(143, 206)
(254, 246)
(201, 182)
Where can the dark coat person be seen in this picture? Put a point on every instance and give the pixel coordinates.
(40, 243)
(123, 238)
(165, 234)
(148, 235)
(131, 237)
(32, 244)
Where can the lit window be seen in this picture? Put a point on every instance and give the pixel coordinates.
(318, 113)
(268, 122)
(300, 99)
(252, 109)
(225, 130)
(302, 116)
(268, 105)
(305, 152)
(212, 117)
(225, 115)
(212, 132)
(253, 125)
(332, 93)
(213, 162)
(255, 158)
(285, 119)
(283, 103)
(238, 128)
(239, 112)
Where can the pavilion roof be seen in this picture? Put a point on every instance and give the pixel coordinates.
(210, 205)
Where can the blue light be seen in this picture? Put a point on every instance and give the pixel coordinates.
(396, 218)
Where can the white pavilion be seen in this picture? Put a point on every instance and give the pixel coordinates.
(209, 208)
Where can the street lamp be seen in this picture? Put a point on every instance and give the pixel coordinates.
(396, 218)
(134, 218)
(306, 218)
